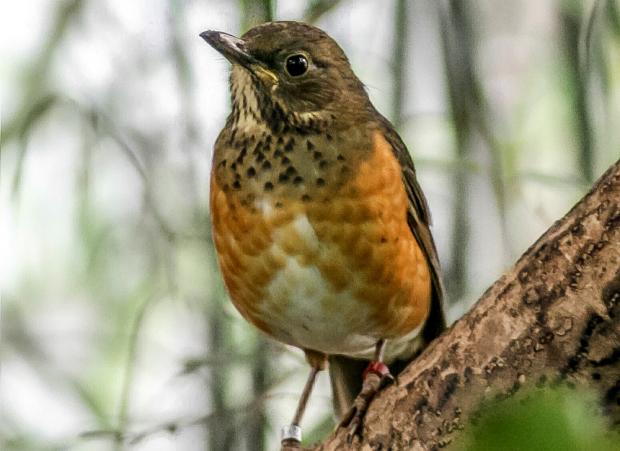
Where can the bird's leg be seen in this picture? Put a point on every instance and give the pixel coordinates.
(291, 434)
(376, 375)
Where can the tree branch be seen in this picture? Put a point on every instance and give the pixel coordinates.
(553, 318)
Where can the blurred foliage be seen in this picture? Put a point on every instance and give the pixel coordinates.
(116, 330)
(543, 420)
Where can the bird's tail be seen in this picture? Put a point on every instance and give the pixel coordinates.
(345, 374)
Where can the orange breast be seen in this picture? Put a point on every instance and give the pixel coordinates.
(333, 273)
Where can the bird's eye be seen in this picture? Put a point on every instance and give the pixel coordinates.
(296, 65)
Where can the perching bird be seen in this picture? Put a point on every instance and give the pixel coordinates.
(321, 229)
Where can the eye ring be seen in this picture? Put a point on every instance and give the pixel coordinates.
(296, 65)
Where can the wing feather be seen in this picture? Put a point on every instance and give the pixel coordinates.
(419, 219)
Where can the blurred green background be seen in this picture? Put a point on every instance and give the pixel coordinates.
(116, 331)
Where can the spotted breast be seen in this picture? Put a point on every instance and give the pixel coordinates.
(312, 238)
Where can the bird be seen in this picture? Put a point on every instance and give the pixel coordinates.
(321, 230)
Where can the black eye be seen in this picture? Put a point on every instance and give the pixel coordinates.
(296, 65)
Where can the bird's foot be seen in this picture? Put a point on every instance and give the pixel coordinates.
(376, 376)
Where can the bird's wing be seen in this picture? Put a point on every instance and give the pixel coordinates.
(419, 219)
(345, 372)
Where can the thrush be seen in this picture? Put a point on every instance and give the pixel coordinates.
(320, 226)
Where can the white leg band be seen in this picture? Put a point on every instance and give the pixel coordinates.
(291, 432)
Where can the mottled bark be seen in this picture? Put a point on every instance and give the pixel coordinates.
(554, 317)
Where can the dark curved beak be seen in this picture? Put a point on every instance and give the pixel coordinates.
(231, 47)
(234, 49)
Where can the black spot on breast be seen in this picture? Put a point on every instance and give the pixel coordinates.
(266, 165)
(277, 153)
(251, 172)
(285, 161)
(260, 157)
(222, 164)
(268, 186)
(317, 155)
(323, 164)
(340, 157)
(320, 182)
(290, 171)
(306, 198)
(283, 177)
(289, 145)
(236, 184)
(242, 155)
(309, 145)
(298, 180)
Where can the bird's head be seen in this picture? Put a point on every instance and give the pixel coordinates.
(290, 74)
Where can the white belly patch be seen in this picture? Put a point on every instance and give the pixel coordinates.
(308, 313)
(304, 309)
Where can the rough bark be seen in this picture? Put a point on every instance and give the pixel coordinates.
(554, 317)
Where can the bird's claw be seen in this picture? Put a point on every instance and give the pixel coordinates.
(373, 383)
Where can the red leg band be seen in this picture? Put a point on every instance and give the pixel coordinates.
(379, 368)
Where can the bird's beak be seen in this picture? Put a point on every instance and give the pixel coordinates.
(234, 49)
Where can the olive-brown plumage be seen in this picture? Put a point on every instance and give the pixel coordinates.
(321, 230)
